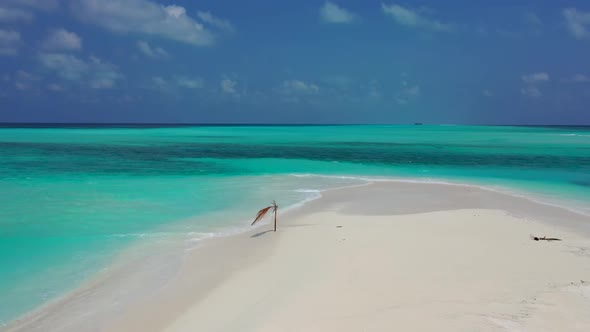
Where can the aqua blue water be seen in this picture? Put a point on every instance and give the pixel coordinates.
(71, 198)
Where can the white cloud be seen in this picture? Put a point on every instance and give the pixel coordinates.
(160, 82)
(338, 81)
(294, 91)
(413, 18)
(332, 13)
(532, 19)
(10, 41)
(412, 91)
(143, 17)
(228, 86)
(24, 80)
(580, 78)
(104, 75)
(577, 78)
(94, 72)
(215, 21)
(152, 52)
(15, 15)
(531, 91)
(374, 89)
(178, 81)
(37, 4)
(296, 87)
(532, 80)
(535, 78)
(55, 87)
(66, 66)
(26, 76)
(62, 39)
(577, 22)
(175, 11)
(21, 86)
(407, 93)
(189, 82)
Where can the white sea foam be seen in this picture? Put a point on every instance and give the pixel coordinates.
(578, 135)
(533, 197)
(244, 226)
(198, 236)
(306, 190)
(313, 194)
(194, 239)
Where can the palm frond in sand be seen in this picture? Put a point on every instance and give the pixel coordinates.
(274, 207)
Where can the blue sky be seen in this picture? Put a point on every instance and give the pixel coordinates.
(278, 61)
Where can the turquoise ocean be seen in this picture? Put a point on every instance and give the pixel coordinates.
(73, 197)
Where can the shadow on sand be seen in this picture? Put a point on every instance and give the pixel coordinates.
(288, 226)
(261, 233)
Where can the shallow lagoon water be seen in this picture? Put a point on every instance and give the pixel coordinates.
(72, 197)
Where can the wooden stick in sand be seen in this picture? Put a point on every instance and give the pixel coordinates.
(544, 238)
(274, 207)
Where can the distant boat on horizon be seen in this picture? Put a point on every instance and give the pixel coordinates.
(418, 123)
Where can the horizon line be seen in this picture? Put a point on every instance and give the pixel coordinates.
(273, 124)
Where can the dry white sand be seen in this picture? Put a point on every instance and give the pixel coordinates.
(463, 270)
(384, 257)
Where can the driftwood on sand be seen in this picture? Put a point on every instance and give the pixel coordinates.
(544, 238)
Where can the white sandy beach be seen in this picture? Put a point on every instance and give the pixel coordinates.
(383, 257)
